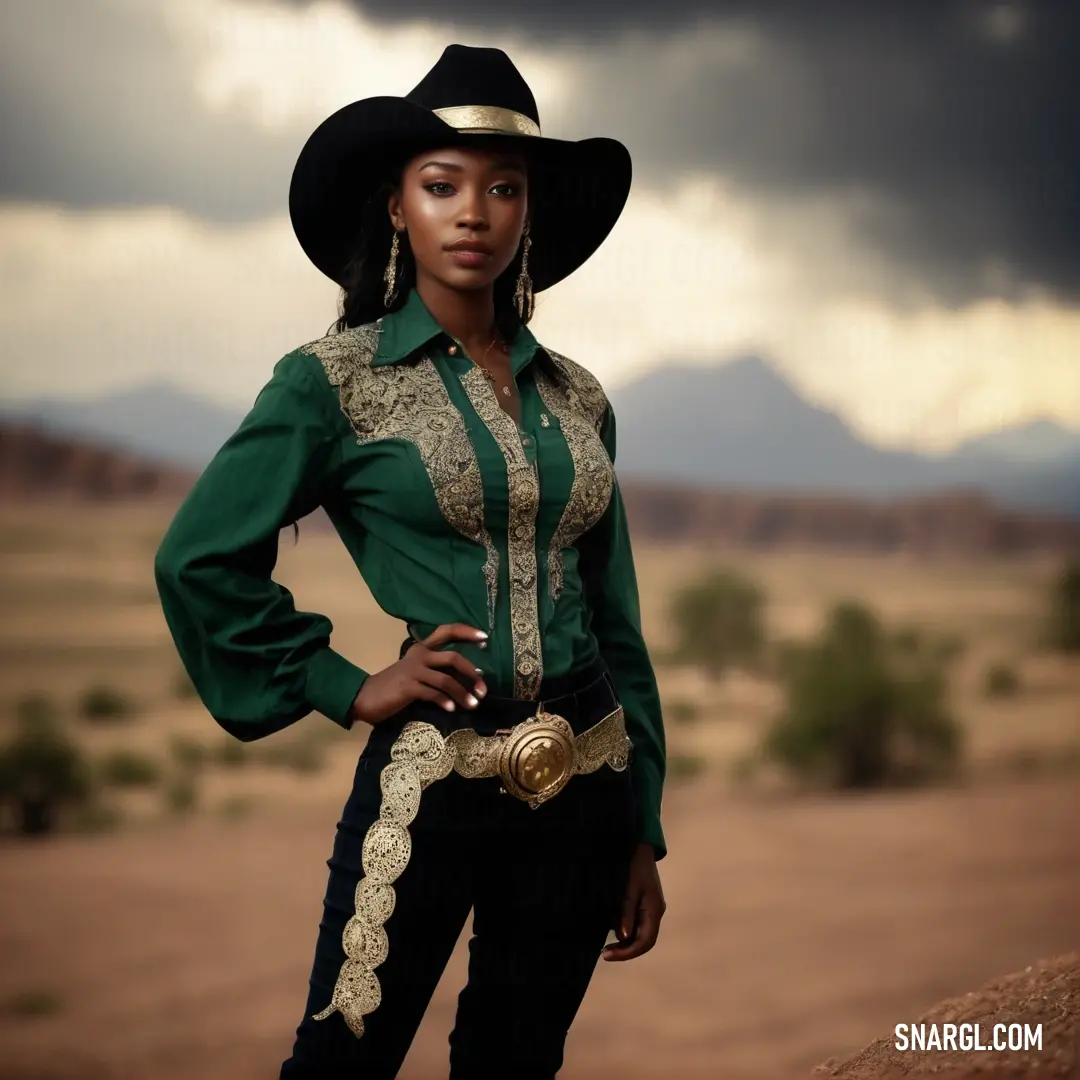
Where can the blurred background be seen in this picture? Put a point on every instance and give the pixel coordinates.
(840, 325)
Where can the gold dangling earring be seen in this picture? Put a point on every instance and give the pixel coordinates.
(390, 274)
(523, 292)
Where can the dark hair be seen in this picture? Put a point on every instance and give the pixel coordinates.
(363, 294)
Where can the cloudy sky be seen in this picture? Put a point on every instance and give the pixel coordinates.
(883, 199)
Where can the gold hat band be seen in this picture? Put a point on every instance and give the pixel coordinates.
(487, 120)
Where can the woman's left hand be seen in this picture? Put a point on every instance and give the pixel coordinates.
(643, 908)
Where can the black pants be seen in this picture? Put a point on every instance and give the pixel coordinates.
(544, 886)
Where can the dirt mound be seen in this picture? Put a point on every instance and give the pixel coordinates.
(1047, 994)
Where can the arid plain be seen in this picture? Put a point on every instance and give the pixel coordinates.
(175, 945)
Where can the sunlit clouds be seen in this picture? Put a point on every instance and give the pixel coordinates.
(702, 267)
(279, 65)
(97, 301)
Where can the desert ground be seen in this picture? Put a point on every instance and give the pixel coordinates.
(163, 944)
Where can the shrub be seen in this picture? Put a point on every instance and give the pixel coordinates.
(783, 654)
(1030, 761)
(1000, 680)
(41, 770)
(911, 643)
(1026, 762)
(182, 794)
(299, 754)
(1067, 758)
(684, 766)
(231, 753)
(36, 710)
(97, 817)
(235, 807)
(682, 711)
(865, 709)
(188, 753)
(129, 768)
(718, 622)
(104, 703)
(744, 768)
(32, 1003)
(1065, 609)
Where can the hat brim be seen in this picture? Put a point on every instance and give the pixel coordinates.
(577, 190)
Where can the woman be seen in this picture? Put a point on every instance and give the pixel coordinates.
(516, 756)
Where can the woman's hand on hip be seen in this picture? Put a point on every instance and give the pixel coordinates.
(643, 908)
(425, 673)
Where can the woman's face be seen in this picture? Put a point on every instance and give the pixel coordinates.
(464, 210)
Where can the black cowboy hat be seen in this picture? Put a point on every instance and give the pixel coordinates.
(577, 190)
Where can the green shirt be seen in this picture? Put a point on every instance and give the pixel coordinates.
(451, 513)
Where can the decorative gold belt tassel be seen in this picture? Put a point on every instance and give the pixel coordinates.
(534, 761)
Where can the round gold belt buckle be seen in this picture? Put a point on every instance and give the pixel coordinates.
(537, 759)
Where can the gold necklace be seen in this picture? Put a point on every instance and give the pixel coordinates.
(488, 373)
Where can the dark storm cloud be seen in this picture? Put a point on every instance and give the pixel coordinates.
(956, 124)
(551, 20)
(960, 121)
(98, 108)
(952, 126)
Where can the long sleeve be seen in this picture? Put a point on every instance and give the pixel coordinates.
(257, 663)
(611, 586)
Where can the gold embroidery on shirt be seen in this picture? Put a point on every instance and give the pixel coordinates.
(578, 402)
(524, 501)
(583, 389)
(409, 401)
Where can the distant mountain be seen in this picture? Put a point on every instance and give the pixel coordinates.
(737, 425)
(157, 420)
(1037, 442)
(742, 423)
(1054, 486)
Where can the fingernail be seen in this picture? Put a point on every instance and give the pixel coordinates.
(449, 706)
(481, 692)
(479, 671)
(472, 701)
(481, 634)
(482, 645)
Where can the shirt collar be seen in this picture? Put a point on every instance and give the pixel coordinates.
(412, 326)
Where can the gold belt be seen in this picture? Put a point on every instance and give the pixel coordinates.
(534, 761)
(536, 758)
